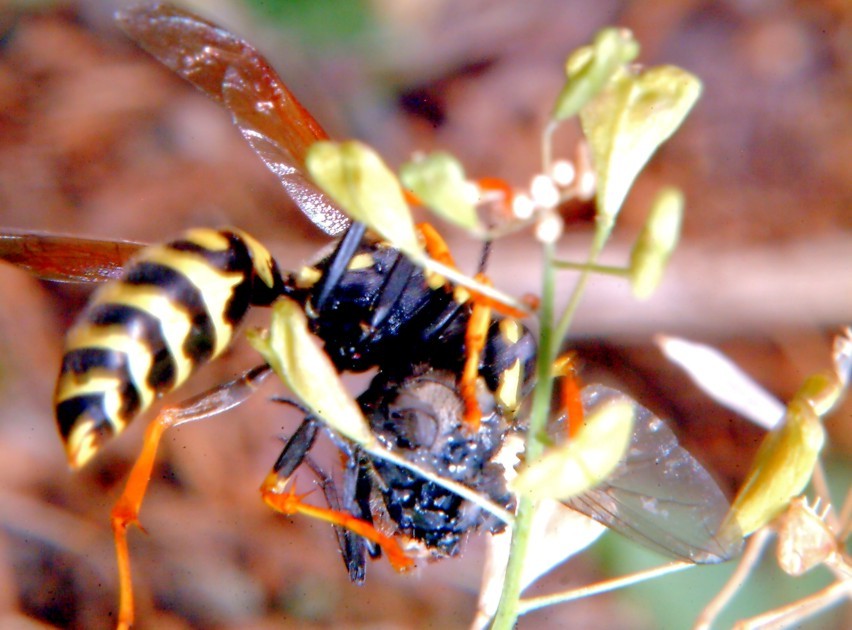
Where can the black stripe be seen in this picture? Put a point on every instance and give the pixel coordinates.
(200, 341)
(92, 407)
(148, 329)
(500, 353)
(234, 258)
(84, 360)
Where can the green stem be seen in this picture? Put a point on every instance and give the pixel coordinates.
(601, 236)
(605, 269)
(547, 145)
(534, 603)
(549, 343)
(507, 612)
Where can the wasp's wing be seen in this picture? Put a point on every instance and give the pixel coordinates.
(233, 73)
(66, 258)
(659, 495)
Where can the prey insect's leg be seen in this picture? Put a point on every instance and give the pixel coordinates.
(279, 497)
(125, 512)
(294, 454)
(352, 546)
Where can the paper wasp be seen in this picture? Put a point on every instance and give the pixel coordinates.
(175, 306)
(365, 301)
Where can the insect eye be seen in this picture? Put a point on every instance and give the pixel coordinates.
(414, 428)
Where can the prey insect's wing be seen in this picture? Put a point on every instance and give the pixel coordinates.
(234, 74)
(659, 495)
(66, 258)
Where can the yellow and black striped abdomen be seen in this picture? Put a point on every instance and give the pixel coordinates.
(141, 336)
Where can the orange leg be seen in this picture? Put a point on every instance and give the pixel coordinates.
(474, 341)
(435, 245)
(437, 249)
(281, 499)
(570, 387)
(477, 327)
(502, 188)
(125, 512)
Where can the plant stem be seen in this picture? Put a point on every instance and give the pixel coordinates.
(528, 605)
(610, 270)
(507, 612)
(600, 239)
(550, 342)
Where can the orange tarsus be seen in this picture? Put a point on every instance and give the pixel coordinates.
(410, 198)
(291, 503)
(570, 387)
(531, 300)
(500, 307)
(125, 513)
(500, 186)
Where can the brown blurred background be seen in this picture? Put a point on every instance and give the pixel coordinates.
(97, 139)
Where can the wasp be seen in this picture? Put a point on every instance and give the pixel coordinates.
(165, 310)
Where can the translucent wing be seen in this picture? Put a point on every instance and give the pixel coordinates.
(233, 73)
(66, 258)
(659, 495)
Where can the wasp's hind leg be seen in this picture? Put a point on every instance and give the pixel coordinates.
(125, 512)
(278, 494)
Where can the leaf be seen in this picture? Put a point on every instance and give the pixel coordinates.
(439, 181)
(591, 67)
(587, 459)
(656, 243)
(356, 178)
(290, 349)
(626, 123)
(782, 468)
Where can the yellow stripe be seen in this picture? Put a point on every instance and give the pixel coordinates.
(511, 330)
(216, 286)
(260, 257)
(113, 338)
(175, 322)
(97, 381)
(509, 389)
(208, 238)
(81, 444)
(460, 294)
(364, 260)
(307, 277)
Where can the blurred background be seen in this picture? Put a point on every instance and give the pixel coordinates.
(97, 139)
